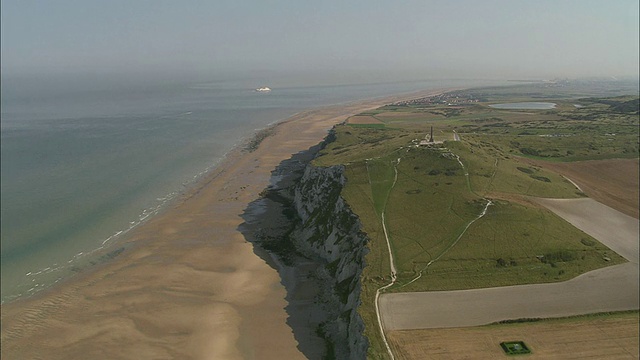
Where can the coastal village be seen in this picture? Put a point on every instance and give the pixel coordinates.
(451, 98)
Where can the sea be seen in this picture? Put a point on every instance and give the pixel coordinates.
(83, 163)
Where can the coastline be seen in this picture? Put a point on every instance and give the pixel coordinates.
(188, 284)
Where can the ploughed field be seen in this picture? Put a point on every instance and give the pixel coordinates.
(459, 214)
(613, 182)
(602, 336)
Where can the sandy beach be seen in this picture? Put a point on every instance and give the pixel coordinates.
(188, 285)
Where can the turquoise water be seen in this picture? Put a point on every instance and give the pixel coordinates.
(81, 164)
(525, 106)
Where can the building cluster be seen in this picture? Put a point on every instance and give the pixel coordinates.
(452, 98)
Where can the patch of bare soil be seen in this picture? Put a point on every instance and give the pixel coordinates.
(600, 337)
(612, 182)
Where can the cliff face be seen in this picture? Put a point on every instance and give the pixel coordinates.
(316, 244)
(330, 232)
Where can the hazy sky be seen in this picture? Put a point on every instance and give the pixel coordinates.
(421, 39)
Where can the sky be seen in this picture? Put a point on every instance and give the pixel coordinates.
(412, 39)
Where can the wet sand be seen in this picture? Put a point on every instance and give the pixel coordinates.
(188, 285)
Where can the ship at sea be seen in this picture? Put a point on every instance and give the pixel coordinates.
(263, 89)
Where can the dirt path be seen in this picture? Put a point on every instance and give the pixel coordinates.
(608, 289)
(392, 265)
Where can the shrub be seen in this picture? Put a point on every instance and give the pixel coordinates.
(540, 178)
(530, 151)
(587, 242)
(525, 170)
(559, 256)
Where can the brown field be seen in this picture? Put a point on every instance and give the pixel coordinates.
(364, 119)
(611, 182)
(597, 337)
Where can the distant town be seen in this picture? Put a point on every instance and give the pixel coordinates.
(452, 98)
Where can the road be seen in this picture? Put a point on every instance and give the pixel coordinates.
(609, 289)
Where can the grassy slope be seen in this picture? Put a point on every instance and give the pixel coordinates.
(433, 201)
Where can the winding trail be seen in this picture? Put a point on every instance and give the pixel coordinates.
(391, 259)
(483, 213)
(377, 299)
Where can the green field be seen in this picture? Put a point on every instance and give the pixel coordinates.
(433, 196)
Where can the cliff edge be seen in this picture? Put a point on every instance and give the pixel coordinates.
(302, 227)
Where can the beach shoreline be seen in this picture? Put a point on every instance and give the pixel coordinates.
(188, 284)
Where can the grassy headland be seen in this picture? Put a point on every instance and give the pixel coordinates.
(434, 196)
